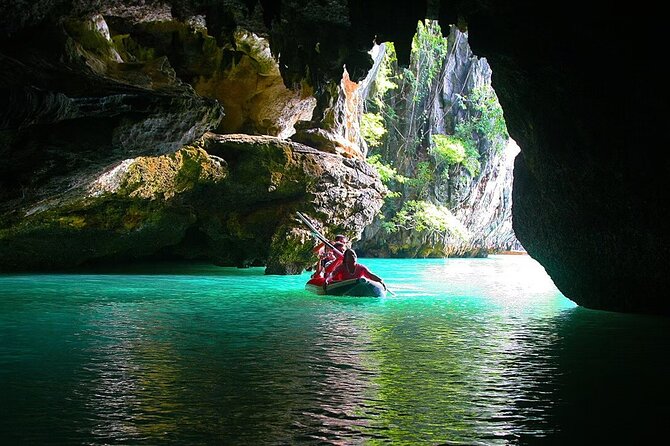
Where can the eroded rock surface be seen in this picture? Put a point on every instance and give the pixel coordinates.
(228, 199)
(71, 107)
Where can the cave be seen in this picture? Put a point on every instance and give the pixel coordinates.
(575, 81)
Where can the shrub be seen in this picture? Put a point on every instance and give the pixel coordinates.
(447, 149)
(423, 216)
(372, 128)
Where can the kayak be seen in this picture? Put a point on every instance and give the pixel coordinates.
(315, 285)
(362, 287)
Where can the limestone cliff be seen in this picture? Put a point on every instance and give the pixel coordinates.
(443, 132)
(88, 119)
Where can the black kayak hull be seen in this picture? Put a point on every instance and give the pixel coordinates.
(356, 287)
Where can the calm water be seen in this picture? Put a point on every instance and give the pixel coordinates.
(476, 351)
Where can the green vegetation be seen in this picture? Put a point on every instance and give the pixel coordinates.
(424, 175)
(387, 174)
(372, 128)
(423, 216)
(385, 171)
(380, 113)
(429, 49)
(448, 149)
(484, 123)
(385, 80)
(486, 120)
(436, 144)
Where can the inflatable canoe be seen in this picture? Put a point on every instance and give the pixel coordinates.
(315, 285)
(353, 287)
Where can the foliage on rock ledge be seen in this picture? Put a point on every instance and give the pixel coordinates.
(435, 129)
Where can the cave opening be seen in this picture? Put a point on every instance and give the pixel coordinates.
(436, 132)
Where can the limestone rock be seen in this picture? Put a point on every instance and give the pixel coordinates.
(463, 213)
(71, 110)
(342, 195)
(229, 199)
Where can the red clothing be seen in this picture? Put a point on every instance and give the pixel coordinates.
(331, 266)
(325, 266)
(342, 273)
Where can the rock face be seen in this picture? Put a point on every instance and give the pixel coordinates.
(240, 72)
(589, 196)
(273, 178)
(228, 199)
(71, 107)
(483, 202)
(129, 212)
(448, 205)
(84, 106)
(336, 128)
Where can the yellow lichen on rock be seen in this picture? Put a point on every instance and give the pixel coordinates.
(168, 175)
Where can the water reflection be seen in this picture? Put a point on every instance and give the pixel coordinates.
(457, 378)
(470, 352)
(129, 387)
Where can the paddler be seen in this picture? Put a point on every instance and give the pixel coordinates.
(351, 269)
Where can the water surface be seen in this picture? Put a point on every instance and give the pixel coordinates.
(468, 351)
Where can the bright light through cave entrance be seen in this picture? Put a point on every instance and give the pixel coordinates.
(436, 133)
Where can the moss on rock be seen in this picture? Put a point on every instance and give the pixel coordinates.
(227, 199)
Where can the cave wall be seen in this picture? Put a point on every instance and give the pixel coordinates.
(97, 162)
(70, 107)
(589, 187)
(580, 84)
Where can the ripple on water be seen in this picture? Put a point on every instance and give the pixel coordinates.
(468, 352)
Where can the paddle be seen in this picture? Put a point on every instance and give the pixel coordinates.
(325, 240)
(318, 234)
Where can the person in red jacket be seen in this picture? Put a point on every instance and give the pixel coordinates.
(350, 269)
(329, 261)
(330, 266)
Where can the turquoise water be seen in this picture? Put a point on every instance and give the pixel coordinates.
(468, 351)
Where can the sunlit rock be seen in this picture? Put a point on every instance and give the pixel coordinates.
(229, 199)
(443, 208)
